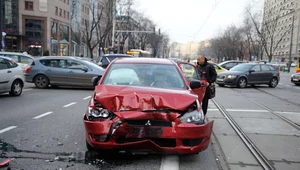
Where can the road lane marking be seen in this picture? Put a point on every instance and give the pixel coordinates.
(26, 90)
(240, 110)
(169, 162)
(7, 129)
(70, 104)
(287, 112)
(42, 115)
(86, 97)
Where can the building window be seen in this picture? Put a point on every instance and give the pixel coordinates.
(68, 15)
(60, 12)
(29, 5)
(64, 14)
(56, 10)
(68, 2)
(64, 1)
(82, 8)
(82, 21)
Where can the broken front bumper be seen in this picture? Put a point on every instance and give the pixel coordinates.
(172, 138)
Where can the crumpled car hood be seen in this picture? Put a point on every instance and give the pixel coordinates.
(125, 98)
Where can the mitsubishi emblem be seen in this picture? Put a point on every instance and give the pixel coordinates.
(148, 123)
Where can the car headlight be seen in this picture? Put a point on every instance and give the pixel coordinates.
(292, 75)
(231, 76)
(195, 116)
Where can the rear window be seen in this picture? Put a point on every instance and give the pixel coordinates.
(272, 68)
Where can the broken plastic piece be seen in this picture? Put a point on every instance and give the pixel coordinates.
(5, 162)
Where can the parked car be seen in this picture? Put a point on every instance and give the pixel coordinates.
(146, 104)
(61, 71)
(295, 78)
(250, 74)
(23, 59)
(230, 64)
(108, 58)
(294, 64)
(218, 68)
(11, 77)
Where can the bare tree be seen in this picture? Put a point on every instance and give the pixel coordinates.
(271, 35)
(97, 29)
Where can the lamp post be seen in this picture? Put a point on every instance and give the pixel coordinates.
(291, 39)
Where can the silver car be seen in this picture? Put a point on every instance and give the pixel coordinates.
(61, 71)
(23, 59)
(11, 77)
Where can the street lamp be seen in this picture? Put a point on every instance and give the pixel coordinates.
(291, 39)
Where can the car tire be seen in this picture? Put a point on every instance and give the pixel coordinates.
(41, 81)
(16, 88)
(89, 147)
(221, 85)
(242, 82)
(273, 82)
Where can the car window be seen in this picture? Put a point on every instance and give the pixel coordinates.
(241, 67)
(256, 68)
(25, 60)
(72, 64)
(265, 68)
(150, 75)
(190, 72)
(104, 61)
(57, 63)
(3, 64)
(272, 68)
(13, 57)
(11, 64)
(230, 65)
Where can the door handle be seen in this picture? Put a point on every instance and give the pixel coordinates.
(49, 70)
(71, 72)
(8, 71)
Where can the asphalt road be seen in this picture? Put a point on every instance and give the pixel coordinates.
(43, 129)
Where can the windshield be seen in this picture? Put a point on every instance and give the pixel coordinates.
(92, 65)
(242, 67)
(147, 75)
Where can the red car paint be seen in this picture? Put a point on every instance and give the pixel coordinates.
(128, 104)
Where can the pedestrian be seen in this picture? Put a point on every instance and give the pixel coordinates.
(210, 74)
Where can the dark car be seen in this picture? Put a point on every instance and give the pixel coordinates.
(249, 74)
(108, 58)
(230, 64)
(62, 71)
(296, 79)
(146, 104)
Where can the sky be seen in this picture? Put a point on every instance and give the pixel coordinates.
(195, 20)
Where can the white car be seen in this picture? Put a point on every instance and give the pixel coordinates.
(23, 59)
(293, 65)
(11, 77)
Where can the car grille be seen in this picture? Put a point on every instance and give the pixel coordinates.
(146, 122)
(162, 142)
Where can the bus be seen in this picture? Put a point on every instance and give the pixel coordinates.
(139, 53)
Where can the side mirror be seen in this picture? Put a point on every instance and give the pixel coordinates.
(95, 80)
(195, 84)
(251, 71)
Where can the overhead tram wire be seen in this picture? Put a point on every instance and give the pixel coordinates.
(215, 5)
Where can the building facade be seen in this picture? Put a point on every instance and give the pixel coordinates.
(46, 25)
(286, 15)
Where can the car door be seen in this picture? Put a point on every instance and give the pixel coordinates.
(78, 73)
(5, 75)
(56, 71)
(192, 72)
(266, 73)
(254, 76)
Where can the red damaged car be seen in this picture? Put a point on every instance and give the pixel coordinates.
(148, 105)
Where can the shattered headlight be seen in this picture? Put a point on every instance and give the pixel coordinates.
(98, 112)
(195, 116)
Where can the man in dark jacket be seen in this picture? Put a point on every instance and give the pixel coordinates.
(210, 74)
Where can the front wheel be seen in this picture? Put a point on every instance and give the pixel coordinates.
(41, 81)
(273, 83)
(16, 88)
(242, 82)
